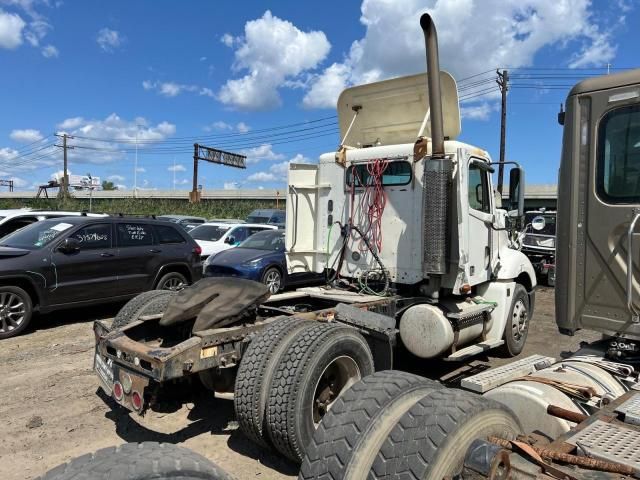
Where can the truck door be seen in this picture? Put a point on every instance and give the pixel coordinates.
(480, 218)
(612, 205)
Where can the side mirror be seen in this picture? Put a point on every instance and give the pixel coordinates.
(69, 245)
(516, 191)
(230, 240)
(538, 223)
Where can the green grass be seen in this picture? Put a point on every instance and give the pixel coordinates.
(146, 206)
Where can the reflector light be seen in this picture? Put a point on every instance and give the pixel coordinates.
(125, 378)
(136, 400)
(197, 250)
(117, 391)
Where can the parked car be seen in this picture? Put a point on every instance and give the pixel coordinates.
(539, 243)
(77, 261)
(225, 220)
(269, 216)
(185, 221)
(261, 258)
(14, 219)
(216, 237)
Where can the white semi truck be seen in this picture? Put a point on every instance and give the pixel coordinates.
(420, 261)
(537, 417)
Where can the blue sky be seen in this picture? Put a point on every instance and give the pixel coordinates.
(236, 74)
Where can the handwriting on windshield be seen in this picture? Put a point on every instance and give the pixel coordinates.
(135, 232)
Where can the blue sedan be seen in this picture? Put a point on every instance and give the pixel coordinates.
(261, 258)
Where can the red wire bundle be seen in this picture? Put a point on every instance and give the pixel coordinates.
(372, 202)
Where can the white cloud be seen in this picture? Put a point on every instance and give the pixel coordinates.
(116, 178)
(261, 177)
(177, 168)
(120, 186)
(242, 127)
(263, 152)
(476, 112)
(229, 39)
(173, 89)
(141, 170)
(121, 134)
(231, 185)
(11, 27)
(509, 34)
(28, 135)
(109, 40)
(182, 181)
(50, 51)
(19, 182)
(36, 31)
(277, 172)
(7, 153)
(272, 52)
(71, 123)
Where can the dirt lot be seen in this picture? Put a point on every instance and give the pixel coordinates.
(51, 408)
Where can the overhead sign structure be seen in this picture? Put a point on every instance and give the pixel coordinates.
(212, 155)
(84, 181)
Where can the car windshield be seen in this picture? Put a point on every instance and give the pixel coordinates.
(35, 236)
(271, 240)
(258, 219)
(208, 233)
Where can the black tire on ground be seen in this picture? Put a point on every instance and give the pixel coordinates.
(350, 435)
(517, 327)
(174, 281)
(147, 302)
(139, 461)
(272, 278)
(255, 372)
(431, 439)
(16, 311)
(320, 364)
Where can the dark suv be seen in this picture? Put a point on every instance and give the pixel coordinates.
(77, 261)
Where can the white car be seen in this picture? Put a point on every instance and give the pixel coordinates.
(16, 218)
(214, 237)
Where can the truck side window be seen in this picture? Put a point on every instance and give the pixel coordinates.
(618, 160)
(478, 189)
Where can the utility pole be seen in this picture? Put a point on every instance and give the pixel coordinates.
(64, 190)
(503, 83)
(194, 196)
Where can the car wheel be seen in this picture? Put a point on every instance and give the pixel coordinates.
(174, 281)
(272, 278)
(16, 310)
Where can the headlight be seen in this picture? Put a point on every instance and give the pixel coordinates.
(253, 263)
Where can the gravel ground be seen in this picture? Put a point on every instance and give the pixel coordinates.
(52, 410)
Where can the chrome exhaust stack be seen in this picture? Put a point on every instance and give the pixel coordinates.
(437, 168)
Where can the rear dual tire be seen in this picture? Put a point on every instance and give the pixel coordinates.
(291, 375)
(396, 425)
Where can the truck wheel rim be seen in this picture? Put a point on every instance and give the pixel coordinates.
(173, 283)
(519, 321)
(272, 281)
(336, 378)
(12, 311)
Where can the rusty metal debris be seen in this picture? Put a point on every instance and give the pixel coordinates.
(568, 458)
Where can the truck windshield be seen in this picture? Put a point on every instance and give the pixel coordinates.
(35, 236)
(208, 233)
